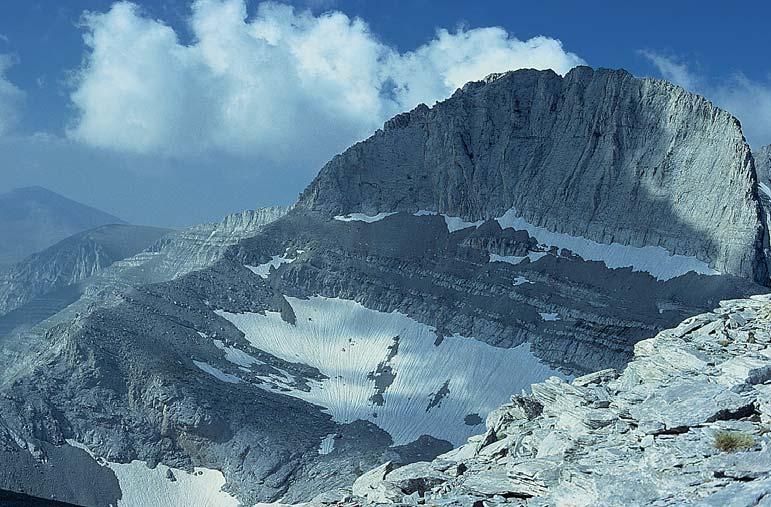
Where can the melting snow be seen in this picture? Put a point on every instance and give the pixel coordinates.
(263, 270)
(237, 356)
(214, 372)
(654, 259)
(327, 444)
(142, 486)
(513, 259)
(348, 342)
(361, 217)
(549, 316)
(453, 223)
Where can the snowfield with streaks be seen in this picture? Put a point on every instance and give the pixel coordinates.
(142, 486)
(391, 370)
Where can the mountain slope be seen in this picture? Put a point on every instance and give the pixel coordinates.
(597, 154)
(33, 218)
(684, 424)
(74, 277)
(402, 298)
(72, 260)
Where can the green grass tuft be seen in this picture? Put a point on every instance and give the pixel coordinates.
(733, 441)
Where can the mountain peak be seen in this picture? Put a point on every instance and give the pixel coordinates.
(34, 218)
(598, 154)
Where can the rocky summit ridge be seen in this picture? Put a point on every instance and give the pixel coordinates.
(597, 153)
(686, 423)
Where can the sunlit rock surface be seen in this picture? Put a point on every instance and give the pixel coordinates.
(647, 436)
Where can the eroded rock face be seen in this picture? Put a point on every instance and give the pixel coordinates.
(650, 435)
(598, 154)
(763, 163)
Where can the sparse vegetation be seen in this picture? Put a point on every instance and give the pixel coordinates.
(733, 441)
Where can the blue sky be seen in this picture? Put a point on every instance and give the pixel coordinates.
(171, 113)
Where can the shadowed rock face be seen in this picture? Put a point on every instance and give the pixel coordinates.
(598, 154)
(763, 163)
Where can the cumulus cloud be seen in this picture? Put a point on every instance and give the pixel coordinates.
(11, 97)
(749, 100)
(281, 84)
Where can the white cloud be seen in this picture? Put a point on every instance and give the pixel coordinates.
(270, 84)
(11, 97)
(748, 100)
(672, 70)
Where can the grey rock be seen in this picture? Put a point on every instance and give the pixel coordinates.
(689, 403)
(762, 158)
(373, 486)
(593, 154)
(495, 482)
(416, 478)
(71, 261)
(572, 465)
(114, 369)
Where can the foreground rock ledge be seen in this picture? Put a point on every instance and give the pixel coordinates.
(644, 437)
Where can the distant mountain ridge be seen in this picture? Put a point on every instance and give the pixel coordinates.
(72, 260)
(34, 218)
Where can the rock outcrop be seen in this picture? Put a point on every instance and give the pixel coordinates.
(598, 154)
(686, 423)
(762, 158)
(189, 249)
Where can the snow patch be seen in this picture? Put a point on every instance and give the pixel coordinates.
(327, 444)
(142, 486)
(348, 343)
(263, 270)
(237, 356)
(514, 259)
(764, 188)
(520, 280)
(653, 259)
(549, 317)
(453, 223)
(361, 217)
(217, 373)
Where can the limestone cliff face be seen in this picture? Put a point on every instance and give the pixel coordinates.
(598, 153)
(763, 163)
